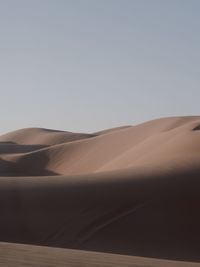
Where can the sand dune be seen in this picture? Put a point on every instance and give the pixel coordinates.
(165, 140)
(39, 136)
(130, 190)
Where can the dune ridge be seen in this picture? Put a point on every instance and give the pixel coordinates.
(131, 190)
(108, 151)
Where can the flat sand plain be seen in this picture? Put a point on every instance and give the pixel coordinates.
(18, 255)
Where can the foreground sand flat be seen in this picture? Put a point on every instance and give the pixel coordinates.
(18, 255)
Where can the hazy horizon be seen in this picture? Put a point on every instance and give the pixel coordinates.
(90, 65)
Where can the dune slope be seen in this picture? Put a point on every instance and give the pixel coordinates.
(169, 141)
(40, 136)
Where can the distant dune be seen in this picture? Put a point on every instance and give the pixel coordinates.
(131, 190)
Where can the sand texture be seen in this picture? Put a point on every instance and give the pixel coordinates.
(18, 255)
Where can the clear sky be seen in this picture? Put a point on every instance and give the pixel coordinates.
(86, 65)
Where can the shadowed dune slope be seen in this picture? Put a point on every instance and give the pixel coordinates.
(132, 190)
(141, 213)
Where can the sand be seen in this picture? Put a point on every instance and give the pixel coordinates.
(132, 190)
(17, 255)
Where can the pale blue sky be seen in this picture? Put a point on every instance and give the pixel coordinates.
(86, 65)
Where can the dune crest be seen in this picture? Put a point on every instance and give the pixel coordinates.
(164, 140)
